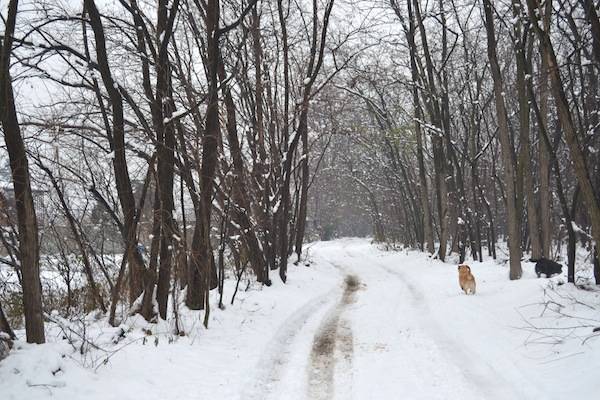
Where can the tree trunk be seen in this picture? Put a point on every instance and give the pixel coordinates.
(203, 272)
(117, 143)
(566, 122)
(29, 249)
(314, 65)
(4, 325)
(149, 279)
(524, 129)
(165, 131)
(282, 213)
(572, 239)
(544, 161)
(596, 264)
(424, 192)
(591, 15)
(514, 234)
(242, 209)
(301, 221)
(439, 159)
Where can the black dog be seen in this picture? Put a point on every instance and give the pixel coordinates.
(546, 267)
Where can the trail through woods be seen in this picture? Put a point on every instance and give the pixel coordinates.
(352, 322)
(161, 162)
(377, 340)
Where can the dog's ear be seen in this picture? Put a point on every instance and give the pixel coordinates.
(469, 268)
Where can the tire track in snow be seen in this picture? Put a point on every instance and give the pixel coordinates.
(272, 364)
(478, 370)
(333, 334)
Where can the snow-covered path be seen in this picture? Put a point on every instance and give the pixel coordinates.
(381, 342)
(356, 323)
(399, 327)
(400, 347)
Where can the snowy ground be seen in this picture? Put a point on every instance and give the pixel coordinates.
(358, 323)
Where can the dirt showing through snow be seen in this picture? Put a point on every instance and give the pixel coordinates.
(333, 334)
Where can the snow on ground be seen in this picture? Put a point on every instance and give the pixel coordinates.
(357, 323)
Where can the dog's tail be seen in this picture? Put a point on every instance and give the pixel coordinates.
(535, 259)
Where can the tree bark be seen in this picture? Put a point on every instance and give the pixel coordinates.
(282, 213)
(544, 160)
(165, 132)
(4, 325)
(524, 129)
(203, 274)
(514, 234)
(117, 143)
(29, 248)
(301, 220)
(591, 15)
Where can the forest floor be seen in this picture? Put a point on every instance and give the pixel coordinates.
(353, 322)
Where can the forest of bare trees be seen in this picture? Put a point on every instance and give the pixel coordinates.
(152, 148)
(478, 125)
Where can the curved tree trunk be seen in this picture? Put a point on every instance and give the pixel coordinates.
(117, 144)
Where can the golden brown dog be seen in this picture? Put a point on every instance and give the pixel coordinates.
(466, 279)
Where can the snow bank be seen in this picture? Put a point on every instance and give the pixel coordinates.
(140, 360)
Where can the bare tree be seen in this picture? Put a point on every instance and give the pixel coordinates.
(29, 248)
(514, 238)
(566, 122)
(116, 136)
